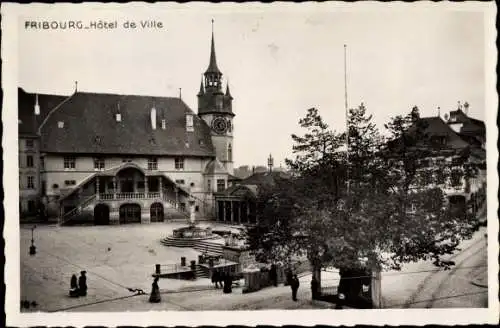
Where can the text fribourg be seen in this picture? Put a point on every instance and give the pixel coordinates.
(91, 25)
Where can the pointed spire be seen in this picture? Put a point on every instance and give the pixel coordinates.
(37, 105)
(202, 89)
(212, 66)
(439, 111)
(228, 93)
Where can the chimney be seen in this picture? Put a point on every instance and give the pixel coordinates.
(153, 118)
(118, 114)
(37, 106)
(189, 123)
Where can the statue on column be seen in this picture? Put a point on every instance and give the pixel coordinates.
(192, 217)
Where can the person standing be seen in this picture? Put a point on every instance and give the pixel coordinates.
(82, 284)
(155, 292)
(295, 286)
(273, 275)
(314, 288)
(73, 291)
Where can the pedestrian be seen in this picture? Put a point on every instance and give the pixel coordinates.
(155, 292)
(314, 288)
(73, 290)
(222, 279)
(228, 281)
(295, 286)
(82, 284)
(215, 278)
(289, 277)
(273, 275)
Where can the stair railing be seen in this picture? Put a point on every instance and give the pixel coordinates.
(69, 215)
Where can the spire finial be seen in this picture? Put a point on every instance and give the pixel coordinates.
(76, 86)
(270, 162)
(180, 93)
(439, 111)
(212, 66)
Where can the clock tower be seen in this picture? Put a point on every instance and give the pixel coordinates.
(215, 108)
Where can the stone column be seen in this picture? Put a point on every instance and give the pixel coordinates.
(232, 212)
(239, 212)
(146, 189)
(160, 186)
(114, 187)
(248, 212)
(224, 211)
(97, 187)
(176, 197)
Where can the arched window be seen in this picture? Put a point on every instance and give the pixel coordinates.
(229, 153)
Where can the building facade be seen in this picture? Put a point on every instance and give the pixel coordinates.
(454, 148)
(110, 158)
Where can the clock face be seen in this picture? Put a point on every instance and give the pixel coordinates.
(219, 125)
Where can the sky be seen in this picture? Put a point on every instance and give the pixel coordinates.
(279, 61)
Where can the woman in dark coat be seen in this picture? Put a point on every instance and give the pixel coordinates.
(82, 284)
(155, 292)
(294, 284)
(215, 278)
(73, 291)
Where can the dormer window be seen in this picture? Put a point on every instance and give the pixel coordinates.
(60, 124)
(189, 123)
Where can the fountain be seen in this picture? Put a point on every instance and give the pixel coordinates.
(192, 232)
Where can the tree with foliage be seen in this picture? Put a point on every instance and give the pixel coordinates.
(369, 208)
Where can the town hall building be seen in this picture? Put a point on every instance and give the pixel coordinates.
(112, 159)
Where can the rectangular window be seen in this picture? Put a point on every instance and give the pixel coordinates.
(99, 164)
(31, 206)
(31, 182)
(126, 160)
(221, 185)
(30, 143)
(209, 185)
(179, 163)
(69, 182)
(152, 163)
(179, 181)
(29, 161)
(42, 163)
(69, 162)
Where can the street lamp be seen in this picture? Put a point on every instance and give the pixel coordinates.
(32, 247)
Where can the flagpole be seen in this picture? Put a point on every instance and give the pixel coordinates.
(346, 116)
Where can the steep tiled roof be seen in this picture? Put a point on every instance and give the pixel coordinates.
(28, 121)
(90, 126)
(264, 178)
(240, 191)
(435, 126)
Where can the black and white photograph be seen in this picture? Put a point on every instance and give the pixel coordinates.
(254, 163)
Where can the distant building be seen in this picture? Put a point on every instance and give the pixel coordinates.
(237, 204)
(111, 158)
(453, 144)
